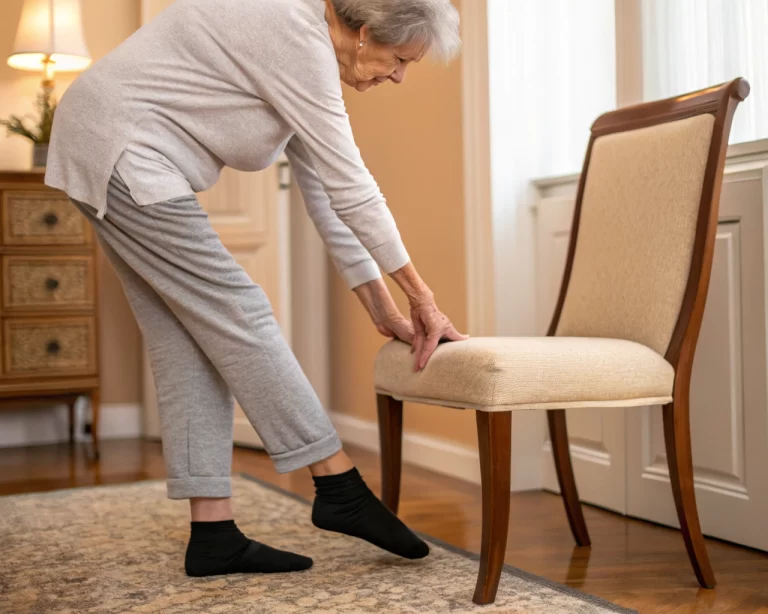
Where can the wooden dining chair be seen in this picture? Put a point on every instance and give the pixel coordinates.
(625, 327)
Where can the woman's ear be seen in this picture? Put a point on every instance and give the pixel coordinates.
(364, 33)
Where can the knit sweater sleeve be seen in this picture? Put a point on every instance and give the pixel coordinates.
(351, 259)
(302, 84)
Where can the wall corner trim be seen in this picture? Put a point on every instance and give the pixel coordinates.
(477, 169)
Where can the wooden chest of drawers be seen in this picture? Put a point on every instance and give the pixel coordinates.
(48, 299)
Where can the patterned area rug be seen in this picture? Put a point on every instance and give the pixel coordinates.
(115, 549)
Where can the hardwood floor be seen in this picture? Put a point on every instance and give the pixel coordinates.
(632, 563)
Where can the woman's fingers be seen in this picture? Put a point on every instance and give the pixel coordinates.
(431, 342)
(428, 349)
(414, 341)
(453, 335)
(429, 327)
(434, 323)
(419, 337)
(417, 328)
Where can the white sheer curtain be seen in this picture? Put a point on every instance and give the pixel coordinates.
(552, 71)
(690, 44)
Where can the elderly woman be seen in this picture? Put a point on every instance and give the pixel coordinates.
(214, 83)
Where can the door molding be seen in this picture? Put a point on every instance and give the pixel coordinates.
(481, 312)
(146, 11)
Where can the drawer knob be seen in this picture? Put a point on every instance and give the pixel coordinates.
(51, 219)
(51, 283)
(53, 347)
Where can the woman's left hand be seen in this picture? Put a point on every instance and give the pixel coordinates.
(386, 317)
(431, 326)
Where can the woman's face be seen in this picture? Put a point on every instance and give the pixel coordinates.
(374, 63)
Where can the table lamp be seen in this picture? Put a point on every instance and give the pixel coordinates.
(50, 39)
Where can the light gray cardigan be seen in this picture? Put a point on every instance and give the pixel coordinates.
(214, 83)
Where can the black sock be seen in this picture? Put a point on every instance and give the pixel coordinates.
(217, 548)
(344, 504)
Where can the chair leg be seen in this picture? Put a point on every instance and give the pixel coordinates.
(494, 435)
(71, 407)
(391, 439)
(677, 436)
(558, 434)
(95, 409)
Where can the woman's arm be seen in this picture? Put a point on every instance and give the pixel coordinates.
(351, 259)
(302, 84)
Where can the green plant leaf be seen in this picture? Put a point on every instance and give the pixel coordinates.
(40, 132)
(15, 125)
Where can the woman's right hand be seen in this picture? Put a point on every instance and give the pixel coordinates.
(386, 317)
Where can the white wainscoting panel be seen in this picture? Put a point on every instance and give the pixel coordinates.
(729, 421)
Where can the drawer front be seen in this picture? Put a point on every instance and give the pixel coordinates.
(49, 346)
(64, 282)
(42, 218)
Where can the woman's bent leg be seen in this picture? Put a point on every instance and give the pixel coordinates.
(196, 411)
(194, 403)
(173, 248)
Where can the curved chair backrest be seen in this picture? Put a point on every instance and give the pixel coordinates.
(642, 240)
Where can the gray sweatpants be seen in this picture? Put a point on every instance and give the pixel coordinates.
(209, 330)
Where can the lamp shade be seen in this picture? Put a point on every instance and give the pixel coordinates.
(50, 30)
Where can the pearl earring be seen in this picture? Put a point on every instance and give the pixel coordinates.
(362, 43)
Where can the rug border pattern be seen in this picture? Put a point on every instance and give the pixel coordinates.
(510, 569)
(515, 571)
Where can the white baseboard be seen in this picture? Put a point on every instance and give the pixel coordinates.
(120, 421)
(44, 425)
(424, 451)
(451, 459)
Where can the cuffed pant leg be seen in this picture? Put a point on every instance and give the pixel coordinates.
(193, 487)
(307, 455)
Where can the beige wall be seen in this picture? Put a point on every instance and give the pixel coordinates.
(106, 23)
(411, 140)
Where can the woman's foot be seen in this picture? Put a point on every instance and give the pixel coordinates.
(345, 504)
(217, 548)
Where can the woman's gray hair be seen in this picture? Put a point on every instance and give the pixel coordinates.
(433, 23)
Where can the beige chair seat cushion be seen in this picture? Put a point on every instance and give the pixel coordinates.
(505, 373)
